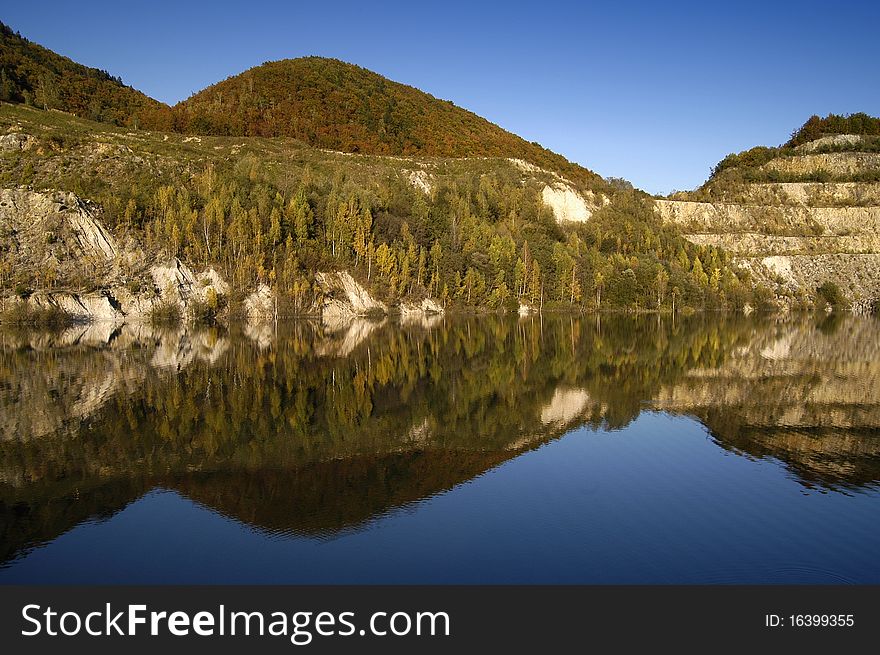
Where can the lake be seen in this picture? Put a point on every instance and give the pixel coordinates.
(615, 449)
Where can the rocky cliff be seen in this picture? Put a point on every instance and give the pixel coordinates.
(78, 268)
(808, 216)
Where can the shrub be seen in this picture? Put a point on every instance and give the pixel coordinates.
(165, 313)
(23, 314)
(829, 293)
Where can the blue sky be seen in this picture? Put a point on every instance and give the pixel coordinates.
(653, 92)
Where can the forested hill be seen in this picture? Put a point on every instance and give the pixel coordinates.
(331, 104)
(462, 211)
(34, 75)
(325, 103)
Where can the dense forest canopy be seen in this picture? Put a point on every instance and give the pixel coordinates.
(481, 237)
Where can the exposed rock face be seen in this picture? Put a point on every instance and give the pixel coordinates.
(560, 195)
(345, 298)
(57, 231)
(796, 236)
(526, 167)
(855, 274)
(810, 194)
(260, 305)
(426, 307)
(833, 163)
(174, 280)
(422, 181)
(426, 314)
(835, 140)
(82, 307)
(16, 141)
(755, 244)
(59, 240)
(566, 203)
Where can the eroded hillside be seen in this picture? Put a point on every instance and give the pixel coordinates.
(796, 217)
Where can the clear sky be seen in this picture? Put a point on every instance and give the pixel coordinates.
(653, 92)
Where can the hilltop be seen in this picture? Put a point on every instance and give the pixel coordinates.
(335, 105)
(325, 103)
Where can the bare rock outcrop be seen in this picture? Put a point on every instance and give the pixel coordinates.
(344, 298)
(260, 305)
(833, 163)
(55, 234)
(56, 240)
(559, 194)
(425, 307)
(15, 141)
(342, 337)
(834, 141)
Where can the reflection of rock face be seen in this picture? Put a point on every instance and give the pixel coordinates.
(425, 312)
(52, 402)
(343, 336)
(807, 396)
(261, 333)
(565, 406)
(180, 348)
(74, 373)
(794, 376)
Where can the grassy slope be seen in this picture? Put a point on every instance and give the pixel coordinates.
(72, 151)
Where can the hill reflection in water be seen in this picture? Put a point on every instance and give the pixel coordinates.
(315, 431)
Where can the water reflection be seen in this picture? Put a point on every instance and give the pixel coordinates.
(314, 429)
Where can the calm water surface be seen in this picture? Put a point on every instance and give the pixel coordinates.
(484, 450)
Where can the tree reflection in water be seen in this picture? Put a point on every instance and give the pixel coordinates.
(304, 429)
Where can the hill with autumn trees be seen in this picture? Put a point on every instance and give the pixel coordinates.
(335, 105)
(815, 128)
(309, 165)
(34, 75)
(325, 103)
